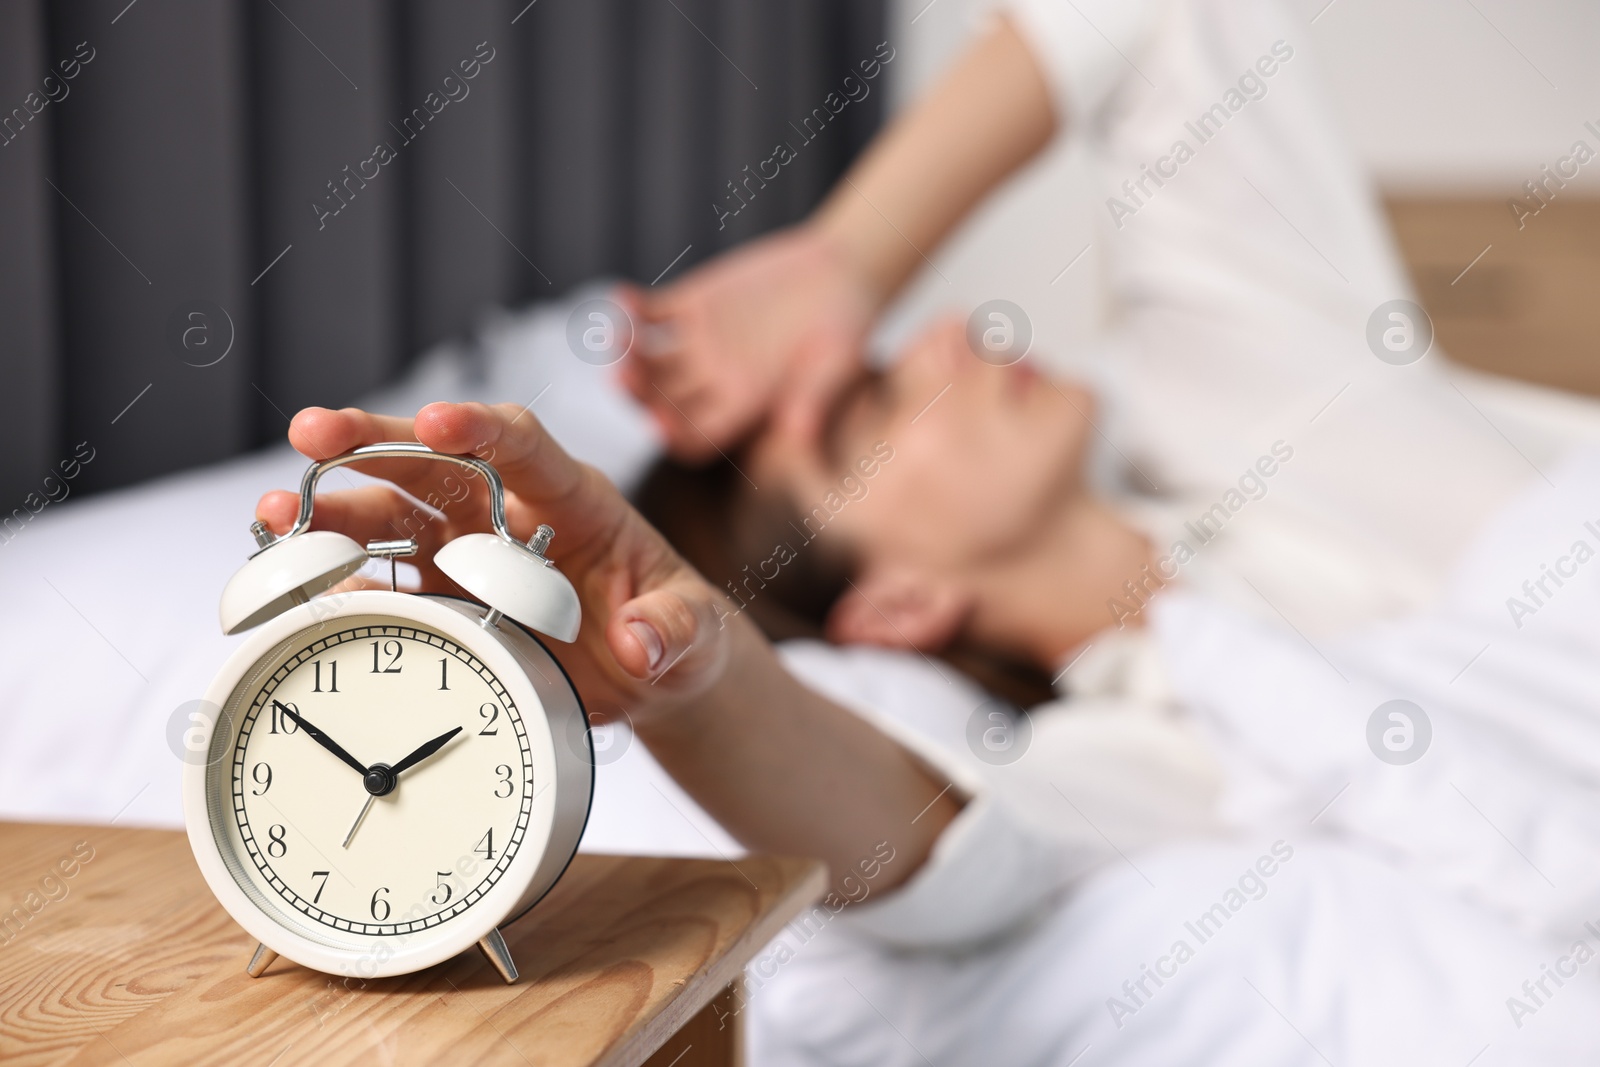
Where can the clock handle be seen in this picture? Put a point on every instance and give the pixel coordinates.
(493, 947)
(512, 577)
(401, 450)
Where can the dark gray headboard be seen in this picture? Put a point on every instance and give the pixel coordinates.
(178, 168)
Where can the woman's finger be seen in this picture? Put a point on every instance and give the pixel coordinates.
(379, 513)
(460, 493)
(683, 441)
(278, 509)
(671, 637)
(669, 372)
(570, 495)
(826, 368)
(371, 513)
(645, 305)
(682, 417)
(321, 433)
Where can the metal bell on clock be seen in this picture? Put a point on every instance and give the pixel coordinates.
(286, 572)
(515, 580)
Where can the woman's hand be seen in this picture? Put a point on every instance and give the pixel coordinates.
(651, 635)
(783, 769)
(774, 326)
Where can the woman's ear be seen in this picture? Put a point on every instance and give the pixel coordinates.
(897, 607)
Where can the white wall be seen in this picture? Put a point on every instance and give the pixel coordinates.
(1440, 96)
(1452, 95)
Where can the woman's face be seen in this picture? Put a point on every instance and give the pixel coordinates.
(943, 462)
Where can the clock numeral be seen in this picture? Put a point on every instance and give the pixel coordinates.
(490, 712)
(504, 771)
(264, 783)
(441, 884)
(486, 845)
(281, 723)
(321, 886)
(444, 668)
(392, 649)
(333, 677)
(378, 902)
(276, 848)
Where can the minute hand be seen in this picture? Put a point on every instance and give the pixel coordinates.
(321, 738)
(425, 751)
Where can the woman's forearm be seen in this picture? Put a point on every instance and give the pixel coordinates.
(986, 117)
(789, 772)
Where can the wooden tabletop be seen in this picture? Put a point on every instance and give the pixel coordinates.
(128, 959)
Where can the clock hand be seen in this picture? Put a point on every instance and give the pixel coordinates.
(356, 825)
(425, 751)
(380, 779)
(321, 738)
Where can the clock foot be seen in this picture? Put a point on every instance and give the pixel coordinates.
(260, 961)
(494, 949)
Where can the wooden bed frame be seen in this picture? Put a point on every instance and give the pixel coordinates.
(1522, 301)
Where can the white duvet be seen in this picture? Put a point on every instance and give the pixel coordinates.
(1356, 910)
(1418, 916)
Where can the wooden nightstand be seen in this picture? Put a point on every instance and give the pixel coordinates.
(129, 960)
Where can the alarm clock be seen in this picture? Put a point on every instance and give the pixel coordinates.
(389, 778)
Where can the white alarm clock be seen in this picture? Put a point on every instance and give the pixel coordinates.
(390, 778)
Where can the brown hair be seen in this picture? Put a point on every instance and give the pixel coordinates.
(756, 548)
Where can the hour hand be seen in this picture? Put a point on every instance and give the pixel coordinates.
(321, 738)
(425, 751)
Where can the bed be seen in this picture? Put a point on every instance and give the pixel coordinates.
(1413, 915)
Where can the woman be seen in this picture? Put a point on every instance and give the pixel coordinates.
(936, 552)
(940, 550)
(1246, 262)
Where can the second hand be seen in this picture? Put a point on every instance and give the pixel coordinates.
(357, 824)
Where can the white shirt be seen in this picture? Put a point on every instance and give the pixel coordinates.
(1246, 256)
(1044, 796)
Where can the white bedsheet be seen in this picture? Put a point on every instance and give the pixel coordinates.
(1343, 959)
(1416, 903)
(1504, 806)
(1358, 911)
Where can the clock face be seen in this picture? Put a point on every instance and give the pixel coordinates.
(416, 820)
